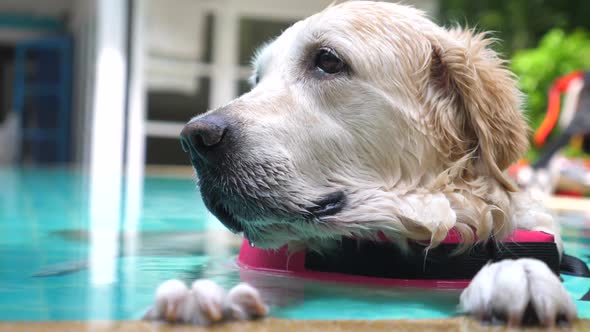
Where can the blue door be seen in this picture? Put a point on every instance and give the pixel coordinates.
(42, 99)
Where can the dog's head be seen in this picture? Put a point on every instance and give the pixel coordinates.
(352, 110)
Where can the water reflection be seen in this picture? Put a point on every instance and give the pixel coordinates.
(49, 234)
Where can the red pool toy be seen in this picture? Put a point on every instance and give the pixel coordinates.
(381, 263)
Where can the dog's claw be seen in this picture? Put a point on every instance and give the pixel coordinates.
(244, 302)
(209, 296)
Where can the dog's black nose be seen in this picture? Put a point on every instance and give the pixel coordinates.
(203, 134)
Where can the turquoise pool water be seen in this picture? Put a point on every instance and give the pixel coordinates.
(68, 252)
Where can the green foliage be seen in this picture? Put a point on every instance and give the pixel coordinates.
(551, 30)
(557, 54)
(518, 24)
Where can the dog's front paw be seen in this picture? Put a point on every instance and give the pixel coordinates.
(518, 292)
(205, 303)
(202, 304)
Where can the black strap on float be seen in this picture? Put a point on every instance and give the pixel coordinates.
(387, 260)
(574, 266)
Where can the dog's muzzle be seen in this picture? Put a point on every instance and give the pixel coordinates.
(207, 140)
(236, 191)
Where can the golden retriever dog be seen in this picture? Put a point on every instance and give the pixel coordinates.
(369, 118)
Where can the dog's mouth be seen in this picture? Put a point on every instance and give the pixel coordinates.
(328, 205)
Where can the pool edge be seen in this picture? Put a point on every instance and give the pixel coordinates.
(272, 324)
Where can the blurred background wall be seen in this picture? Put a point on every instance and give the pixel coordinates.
(108, 84)
(206, 62)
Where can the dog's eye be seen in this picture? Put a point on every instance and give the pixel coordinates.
(329, 62)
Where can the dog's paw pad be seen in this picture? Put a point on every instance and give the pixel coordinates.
(244, 302)
(518, 292)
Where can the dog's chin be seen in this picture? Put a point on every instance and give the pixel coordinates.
(226, 218)
(250, 231)
(266, 242)
(255, 229)
(272, 230)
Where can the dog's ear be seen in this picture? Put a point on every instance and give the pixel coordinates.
(473, 103)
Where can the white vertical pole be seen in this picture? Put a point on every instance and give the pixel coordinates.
(107, 138)
(136, 118)
(106, 145)
(135, 154)
(225, 55)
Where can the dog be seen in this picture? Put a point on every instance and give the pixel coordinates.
(368, 117)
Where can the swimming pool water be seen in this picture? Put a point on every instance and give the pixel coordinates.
(70, 253)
